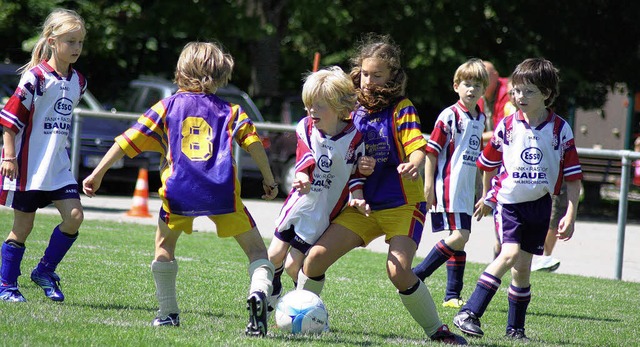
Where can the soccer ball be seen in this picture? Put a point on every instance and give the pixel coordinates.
(301, 312)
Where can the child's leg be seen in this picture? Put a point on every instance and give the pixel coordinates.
(277, 253)
(456, 264)
(519, 291)
(165, 269)
(63, 236)
(436, 257)
(14, 246)
(294, 262)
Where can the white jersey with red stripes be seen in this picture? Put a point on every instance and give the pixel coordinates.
(533, 161)
(456, 140)
(331, 163)
(40, 112)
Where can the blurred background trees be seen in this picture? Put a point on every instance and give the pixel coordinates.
(594, 43)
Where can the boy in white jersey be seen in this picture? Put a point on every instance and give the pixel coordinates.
(450, 177)
(194, 130)
(535, 151)
(327, 154)
(36, 170)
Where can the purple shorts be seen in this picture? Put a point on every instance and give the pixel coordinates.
(525, 223)
(31, 200)
(450, 221)
(293, 239)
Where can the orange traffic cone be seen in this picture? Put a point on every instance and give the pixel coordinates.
(141, 196)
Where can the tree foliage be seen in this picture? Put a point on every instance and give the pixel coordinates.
(594, 43)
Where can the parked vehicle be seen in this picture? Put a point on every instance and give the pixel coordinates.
(97, 136)
(280, 146)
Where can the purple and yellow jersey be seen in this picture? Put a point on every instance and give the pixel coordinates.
(194, 132)
(390, 136)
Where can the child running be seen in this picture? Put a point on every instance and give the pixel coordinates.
(535, 151)
(193, 130)
(450, 177)
(328, 150)
(36, 170)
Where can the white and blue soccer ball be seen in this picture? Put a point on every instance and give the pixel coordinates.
(301, 312)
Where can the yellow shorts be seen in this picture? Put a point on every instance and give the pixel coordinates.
(227, 225)
(405, 220)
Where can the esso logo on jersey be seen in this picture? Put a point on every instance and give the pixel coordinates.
(63, 106)
(531, 156)
(474, 142)
(324, 163)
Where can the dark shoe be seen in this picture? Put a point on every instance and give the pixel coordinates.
(444, 335)
(173, 319)
(517, 334)
(468, 323)
(49, 282)
(257, 305)
(9, 292)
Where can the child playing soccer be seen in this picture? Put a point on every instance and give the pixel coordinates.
(329, 147)
(36, 170)
(450, 177)
(535, 151)
(394, 190)
(193, 130)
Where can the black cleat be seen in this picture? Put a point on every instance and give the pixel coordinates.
(444, 335)
(468, 323)
(257, 305)
(517, 334)
(172, 320)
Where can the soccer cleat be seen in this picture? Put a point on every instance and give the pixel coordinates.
(517, 334)
(546, 263)
(454, 303)
(257, 306)
(49, 282)
(445, 335)
(173, 320)
(468, 323)
(9, 292)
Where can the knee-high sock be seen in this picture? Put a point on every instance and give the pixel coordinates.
(519, 299)
(261, 274)
(314, 285)
(455, 275)
(11, 259)
(59, 244)
(436, 257)
(277, 282)
(486, 288)
(164, 275)
(419, 303)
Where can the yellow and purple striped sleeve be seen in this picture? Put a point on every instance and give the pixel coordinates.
(408, 125)
(147, 134)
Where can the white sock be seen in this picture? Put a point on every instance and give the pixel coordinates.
(164, 275)
(307, 283)
(422, 308)
(261, 274)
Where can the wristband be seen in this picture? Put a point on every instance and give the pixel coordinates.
(273, 186)
(9, 159)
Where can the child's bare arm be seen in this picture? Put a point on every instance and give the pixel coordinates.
(91, 184)
(260, 157)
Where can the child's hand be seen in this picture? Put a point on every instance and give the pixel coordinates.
(301, 183)
(366, 165)
(409, 171)
(361, 205)
(481, 209)
(9, 169)
(270, 191)
(91, 184)
(565, 228)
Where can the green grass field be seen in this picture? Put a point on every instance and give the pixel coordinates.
(110, 299)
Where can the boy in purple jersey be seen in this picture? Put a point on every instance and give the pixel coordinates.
(535, 151)
(450, 177)
(194, 131)
(394, 190)
(327, 154)
(36, 170)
